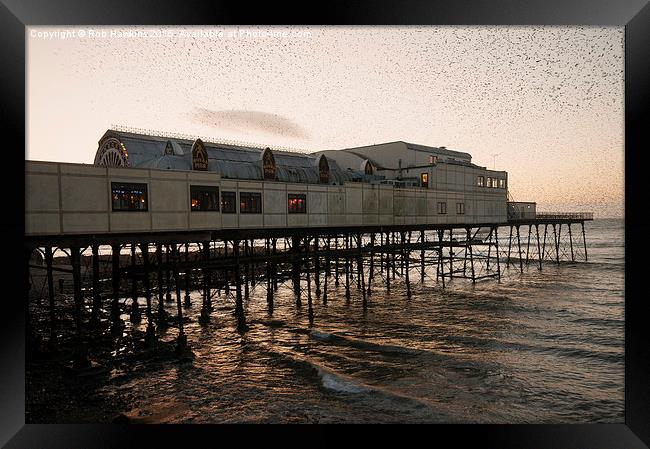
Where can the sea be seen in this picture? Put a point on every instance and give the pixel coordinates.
(534, 347)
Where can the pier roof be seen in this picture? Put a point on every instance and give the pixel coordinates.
(123, 148)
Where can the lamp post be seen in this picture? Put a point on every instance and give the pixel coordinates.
(495, 159)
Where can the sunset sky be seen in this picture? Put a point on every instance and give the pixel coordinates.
(547, 101)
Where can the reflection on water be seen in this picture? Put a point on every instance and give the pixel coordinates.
(539, 347)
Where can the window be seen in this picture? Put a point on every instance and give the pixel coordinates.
(323, 170)
(480, 181)
(502, 183)
(297, 203)
(250, 203)
(129, 196)
(433, 160)
(424, 179)
(204, 198)
(228, 203)
(489, 182)
(460, 208)
(442, 208)
(495, 183)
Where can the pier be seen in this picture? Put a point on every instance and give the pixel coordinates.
(157, 217)
(138, 273)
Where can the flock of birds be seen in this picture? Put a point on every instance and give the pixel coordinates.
(480, 89)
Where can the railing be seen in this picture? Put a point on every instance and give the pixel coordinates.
(520, 215)
(565, 215)
(210, 140)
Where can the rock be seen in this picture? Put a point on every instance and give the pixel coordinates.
(121, 419)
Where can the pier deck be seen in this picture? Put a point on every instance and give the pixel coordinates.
(155, 265)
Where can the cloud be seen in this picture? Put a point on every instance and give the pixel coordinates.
(242, 120)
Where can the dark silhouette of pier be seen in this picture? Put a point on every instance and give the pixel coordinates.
(152, 269)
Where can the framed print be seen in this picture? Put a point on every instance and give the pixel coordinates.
(426, 213)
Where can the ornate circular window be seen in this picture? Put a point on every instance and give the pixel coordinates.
(112, 153)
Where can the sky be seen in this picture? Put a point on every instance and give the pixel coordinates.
(544, 103)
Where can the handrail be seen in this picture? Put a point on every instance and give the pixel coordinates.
(565, 215)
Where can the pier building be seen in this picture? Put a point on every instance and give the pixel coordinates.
(157, 214)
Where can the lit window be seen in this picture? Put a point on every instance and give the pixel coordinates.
(442, 208)
(297, 203)
(424, 179)
(129, 196)
(489, 182)
(228, 203)
(204, 198)
(480, 181)
(502, 183)
(460, 208)
(250, 203)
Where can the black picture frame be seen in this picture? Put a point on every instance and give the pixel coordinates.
(633, 14)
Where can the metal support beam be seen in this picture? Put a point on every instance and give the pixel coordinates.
(161, 317)
(422, 242)
(371, 273)
(571, 243)
(310, 309)
(135, 308)
(97, 302)
(539, 253)
(406, 256)
(168, 296)
(521, 263)
(360, 279)
(347, 268)
(584, 239)
(115, 305)
(269, 278)
(188, 278)
(80, 353)
(50, 292)
(239, 304)
(327, 269)
(151, 338)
